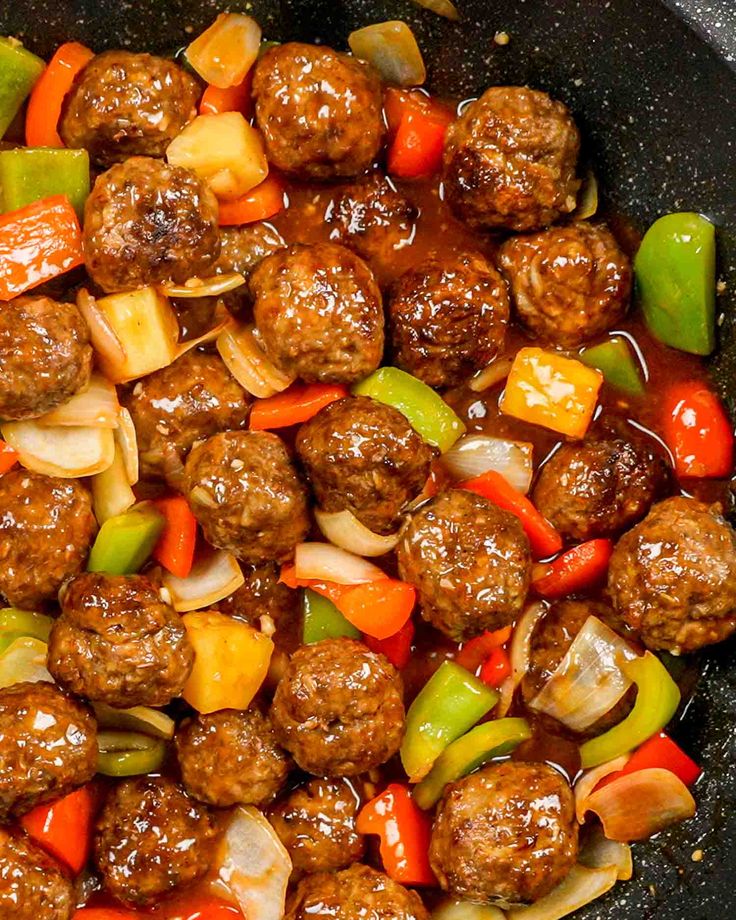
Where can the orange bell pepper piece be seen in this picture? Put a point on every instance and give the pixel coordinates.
(200, 907)
(259, 203)
(418, 125)
(236, 98)
(47, 97)
(294, 406)
(698, 431)
(474, 652)
(105, 913)
(178, 540)
(8, 457)
(64, 827)
(579, 569)
(378, 608)
(396, 648)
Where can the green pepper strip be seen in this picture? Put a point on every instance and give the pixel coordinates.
(427, 412)
(322, 620)
(19, 70)
(657, 699)
(129, 753)
(477, 747)
(448, 705)
(614, 360)
(126, 541)
(31, 173)
(139, 719)
(14, 624)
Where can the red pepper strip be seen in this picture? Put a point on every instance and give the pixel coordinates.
(259, 203)
(236, 98)
(579, 569)
(37, 243)
(176, 545)
(659, 751)
(474, 652)
(496, 668)
(294, 406)
(64, 828)
(544, 539)
(105, 913)
(8, 457)
(200, 907)
(396, 648)
(47, 97)
(328, 589)
(418, 141)
(697, 431)
(404, 830)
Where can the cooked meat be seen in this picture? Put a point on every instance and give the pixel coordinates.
(32, 885)
(262, 594)
(242, 248)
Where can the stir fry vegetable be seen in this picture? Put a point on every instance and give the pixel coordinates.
(111, 491)
(618, 366)
(214, 576)
(129, 753)
(475, 454)
(24, 661)
(125, 542)
(581, 568)
(178, 539)
(19, 70)
(141, 719)
(237, 98)
(64, 827)
(294, 406)
(260, 203)
(8, 457)
(697, 431)
(392, 49)
(30, 174)
(224, 53)
(47, 98)
(477, 650)
(418, 126)
(345, 531)
(16, 623)
(660, 751)
(322, 620)
(60, 451)
(397, 648)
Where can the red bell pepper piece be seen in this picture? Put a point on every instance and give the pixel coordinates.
(496, 668)
(659, 751)
(236, 98)
(178, 540)
(200, 907)
(543, 538)
(64, 828)
(8, 457)
(105, 913)
(396, 648)
(404, 830)
(295, 405)
(579, 569)
(697, 431)
(474, 652)
(259, 203)
(418, 126)
(47, 97)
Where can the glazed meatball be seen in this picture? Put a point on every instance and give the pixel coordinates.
(122, 104)
(316, 824)
(262, 594)
(48, 746)
(357, 893)
(364, 457)
(147, 222)
(231, 757)
(242, 248)
(338, 709)
(32, 885)
(172, 409)
(448, 318)
(45, 356)
(469, 561)
(598, 488)
(319, 111)
(151, 839)
(510, 160)
(673, 577)
(46, 529)
(318, 313)
(507, 832)
(569, 284)
(117, 642)
(245, 492)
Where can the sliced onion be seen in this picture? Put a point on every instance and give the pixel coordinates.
(214, 286)
(324, 562)
(65, 452)
(221, 320)
(95, 407)
(249, 364)
(103, 337)
(589, 681)
(581, 886)
(519, 654)
(598, 852)
(590, 779)
(111, 491)
(587, 198)
(475, 454)
(441, 7)
(127, 440)
(344, 530)
(138, 719)
(392, 49)
(24, 661)
(491, 375)
(224, 53)
(213, 577)
(466, 910)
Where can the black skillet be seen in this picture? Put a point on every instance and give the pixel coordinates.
(653, 86)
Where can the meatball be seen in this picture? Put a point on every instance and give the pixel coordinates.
(231, 757)
(242, 248)
(146, 222)
(338, 709)
(365, 457)
(151, 839)
(45, 356)
(172, 409)
(316, 824)
(507, 832)
(357, 893)
(46, 530)
(510, 160)
(117, 642)
(320, 112)
(32, 885)
(48, 746)
(448, 318)
(318, 313)
(469, 561)
(598, 488)
(122, 104)
(673, 577)
(262, 594)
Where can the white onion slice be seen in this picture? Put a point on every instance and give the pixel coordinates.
(324, 562)
(142, 719)
(393, 51)
(491, 375)
(343, 529)
(581, 886)
(587, 198)
(214, 286)
(590, 779)
(441, 7)
(24, 661)
(95, 407)
(65, 452)
(222, 320)
(466, 910)
(249, 364)
(126, 439)
(598, 852)
(103, 337)
(212, 578)
(111, 492)
(475, 454)
(519, 654)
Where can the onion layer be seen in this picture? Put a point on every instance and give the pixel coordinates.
(249, 364)
(214, 286)
(344, 530)
(324, 562)
(95, 407)
(126, 439)
(392, 49)
(64, 452)
(475, 454)
(598, 852)
(581, 886)
(138, 719)
(111, 491)
(466, 910)
(212, 578)
(24, 661)
(519, 654)
(590, 779)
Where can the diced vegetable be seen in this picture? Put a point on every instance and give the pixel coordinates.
(419, 127)
(496, 669)
(249, 364)
(396, 648)
(294, 406)
(618, 366)
(591, 779)
(29, 174)
(24, 660)
(675, 270)
(140, 719)
(47, 98)
(697, 430)
(191, 906)
(104, 913)
(660, 751)
(124, 543)
(213, 576)
(19, 71)
(547, 389)
(392, 50)
(379, 608)
(176, 545)
(60, 451)
(475, 454)
(322, 620)
(580, 887)
(519, 652)
(214, 286)
(128, 753)
(474, 652)
(325, 562)
(237, 98)
(111, 491)
(587, 198)
(8, 457)
(64, 828)
(496, 372)
(343, 529)
(15, 624)
(95, 407)
(224, 53)
(126, 442)
(579, 569)
(441, 7)
(259, 203)
(597, 852)
(466, 910)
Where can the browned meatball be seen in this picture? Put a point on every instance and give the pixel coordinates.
(151, 839)
(318, 312)
(261, 594)
(569, 284)
(598, 488)
(172, 409)
(507, 832)
(469, 562)
(45, 356)
(46, 530)
(242, 248)
(117, 642)
(365, 457)
(357, 893)
(316, 824)
(146, 222)
(319, 111)
(510, 160)
(124, 104)
(338, 709)
(247, 495)
(230, 757)
(32, 885)
(48, 746)
(673, 577)
(448, 318)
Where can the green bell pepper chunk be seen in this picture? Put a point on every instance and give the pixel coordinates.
(675, 271)
(126, 541)
(16, 624)
(448, 705)
(129, 753)
(322, 620)
(615, 361)
(657, 699)
(139, 719)
(19, 70)
(427, 412)
(477, 747)
(31, 173)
